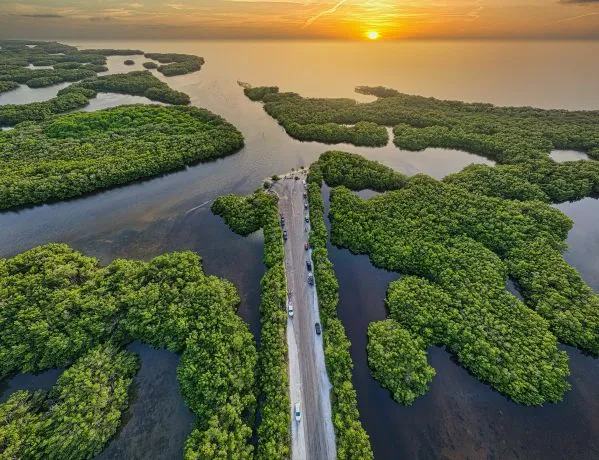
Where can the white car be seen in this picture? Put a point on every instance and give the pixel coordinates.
(297, 412)
(290, 309)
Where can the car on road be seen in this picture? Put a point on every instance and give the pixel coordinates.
(306, 246)
(318, 329)
(285, 235)
(307, 218)
(305, 195)
(309, 265)
(305, 205)
(297, 412)
(310, 279)
(290, 309)
(282, 221)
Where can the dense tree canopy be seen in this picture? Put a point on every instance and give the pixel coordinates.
(8, 86)
(78, 94)
(60, 307)
(140, 83)
(246, 215)
(176, 64)
(505, 134)
(352, 440)
(78, 153)
(519, 138)
(461, 246)
(398, 360)
(77, 417)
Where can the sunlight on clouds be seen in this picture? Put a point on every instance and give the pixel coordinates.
(341, 19)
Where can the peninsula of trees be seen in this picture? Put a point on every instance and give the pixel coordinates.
(456, 249)
(61, 308)
(78, 153)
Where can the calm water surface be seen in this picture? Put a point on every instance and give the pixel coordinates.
(459, 417)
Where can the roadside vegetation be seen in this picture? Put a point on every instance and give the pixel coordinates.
(352, 440)
(61, 307)
(459, 248)
(245, 215)
(78, 153)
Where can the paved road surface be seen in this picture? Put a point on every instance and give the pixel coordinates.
(314, 437)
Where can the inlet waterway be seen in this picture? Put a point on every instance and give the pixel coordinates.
(459, 417)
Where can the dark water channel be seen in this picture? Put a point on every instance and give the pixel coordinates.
(459, 417)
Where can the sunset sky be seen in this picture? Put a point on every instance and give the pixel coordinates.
(341, 19)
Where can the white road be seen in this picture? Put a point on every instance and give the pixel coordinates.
(314, 436)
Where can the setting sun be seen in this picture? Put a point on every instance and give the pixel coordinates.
(373, 35)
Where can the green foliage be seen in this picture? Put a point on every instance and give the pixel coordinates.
(59, 76)
(78, 153)
(246, 215)
(113, 52)
(543, 180)
(176, 64)
(51, 311)
(450, 239)
(258, 93)
(6, 86)
(357, 173)
(128, 62)
(506, 134)
(77, 95)
(78, 417)
(12, 114)
(519, 138)
(140, 83)
(352, 440)
(398, 361)
(378, 91)
(59, 304)
(150, 65)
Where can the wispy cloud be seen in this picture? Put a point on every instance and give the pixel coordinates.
(322, 13)
(574, 18)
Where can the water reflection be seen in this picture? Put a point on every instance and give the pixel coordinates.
(568, 155)
(583, 239)
(31, 382)
(157, 422)
(24, 94)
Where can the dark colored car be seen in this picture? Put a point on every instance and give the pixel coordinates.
(317, 327)
(310, 279)
(306, 246)
(309, 265)
(307, 218)
(285, 235)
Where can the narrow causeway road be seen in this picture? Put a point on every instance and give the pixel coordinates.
(313, 437)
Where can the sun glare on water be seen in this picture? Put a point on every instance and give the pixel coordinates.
(372, 35)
